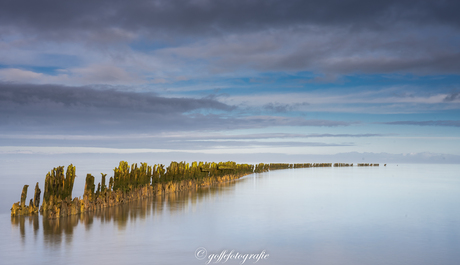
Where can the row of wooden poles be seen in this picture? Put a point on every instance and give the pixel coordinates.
(135, 182)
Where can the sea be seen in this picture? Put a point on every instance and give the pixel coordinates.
(396, 214)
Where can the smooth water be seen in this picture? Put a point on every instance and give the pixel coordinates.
(406, 214)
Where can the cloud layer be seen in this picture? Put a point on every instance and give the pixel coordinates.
(54, 108)
(311, 75)
(213, 16)
(452, 123)
(151, 42)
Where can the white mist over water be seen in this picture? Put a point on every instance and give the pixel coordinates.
(406, 214)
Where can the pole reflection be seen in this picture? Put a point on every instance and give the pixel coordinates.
(57, 231)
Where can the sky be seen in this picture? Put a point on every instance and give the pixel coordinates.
(258, 80)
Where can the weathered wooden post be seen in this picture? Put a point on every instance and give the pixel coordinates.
(37, 196)
(24, 195)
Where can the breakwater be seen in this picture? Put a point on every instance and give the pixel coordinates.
(130, 183)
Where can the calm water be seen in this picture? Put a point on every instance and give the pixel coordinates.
(406, 214)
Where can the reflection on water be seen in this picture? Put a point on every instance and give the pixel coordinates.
(56, 231)
(19, 222)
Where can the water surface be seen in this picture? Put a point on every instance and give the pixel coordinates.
(406, 214)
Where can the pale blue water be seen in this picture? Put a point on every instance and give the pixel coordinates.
(406, 214)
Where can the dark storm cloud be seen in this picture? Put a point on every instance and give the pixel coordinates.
(205, 16)
(58, 109)
(426, 123)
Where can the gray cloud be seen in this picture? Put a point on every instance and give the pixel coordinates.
(276, 136)
(52, 96)
(266, 121)
(329, 38)
(214, 16)
(330, 50)
(84, 109)
(197, 145)
(452, 97)
(58, 109)
(278, 107)
(178, 140)
(453, 123)
(167, 144)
